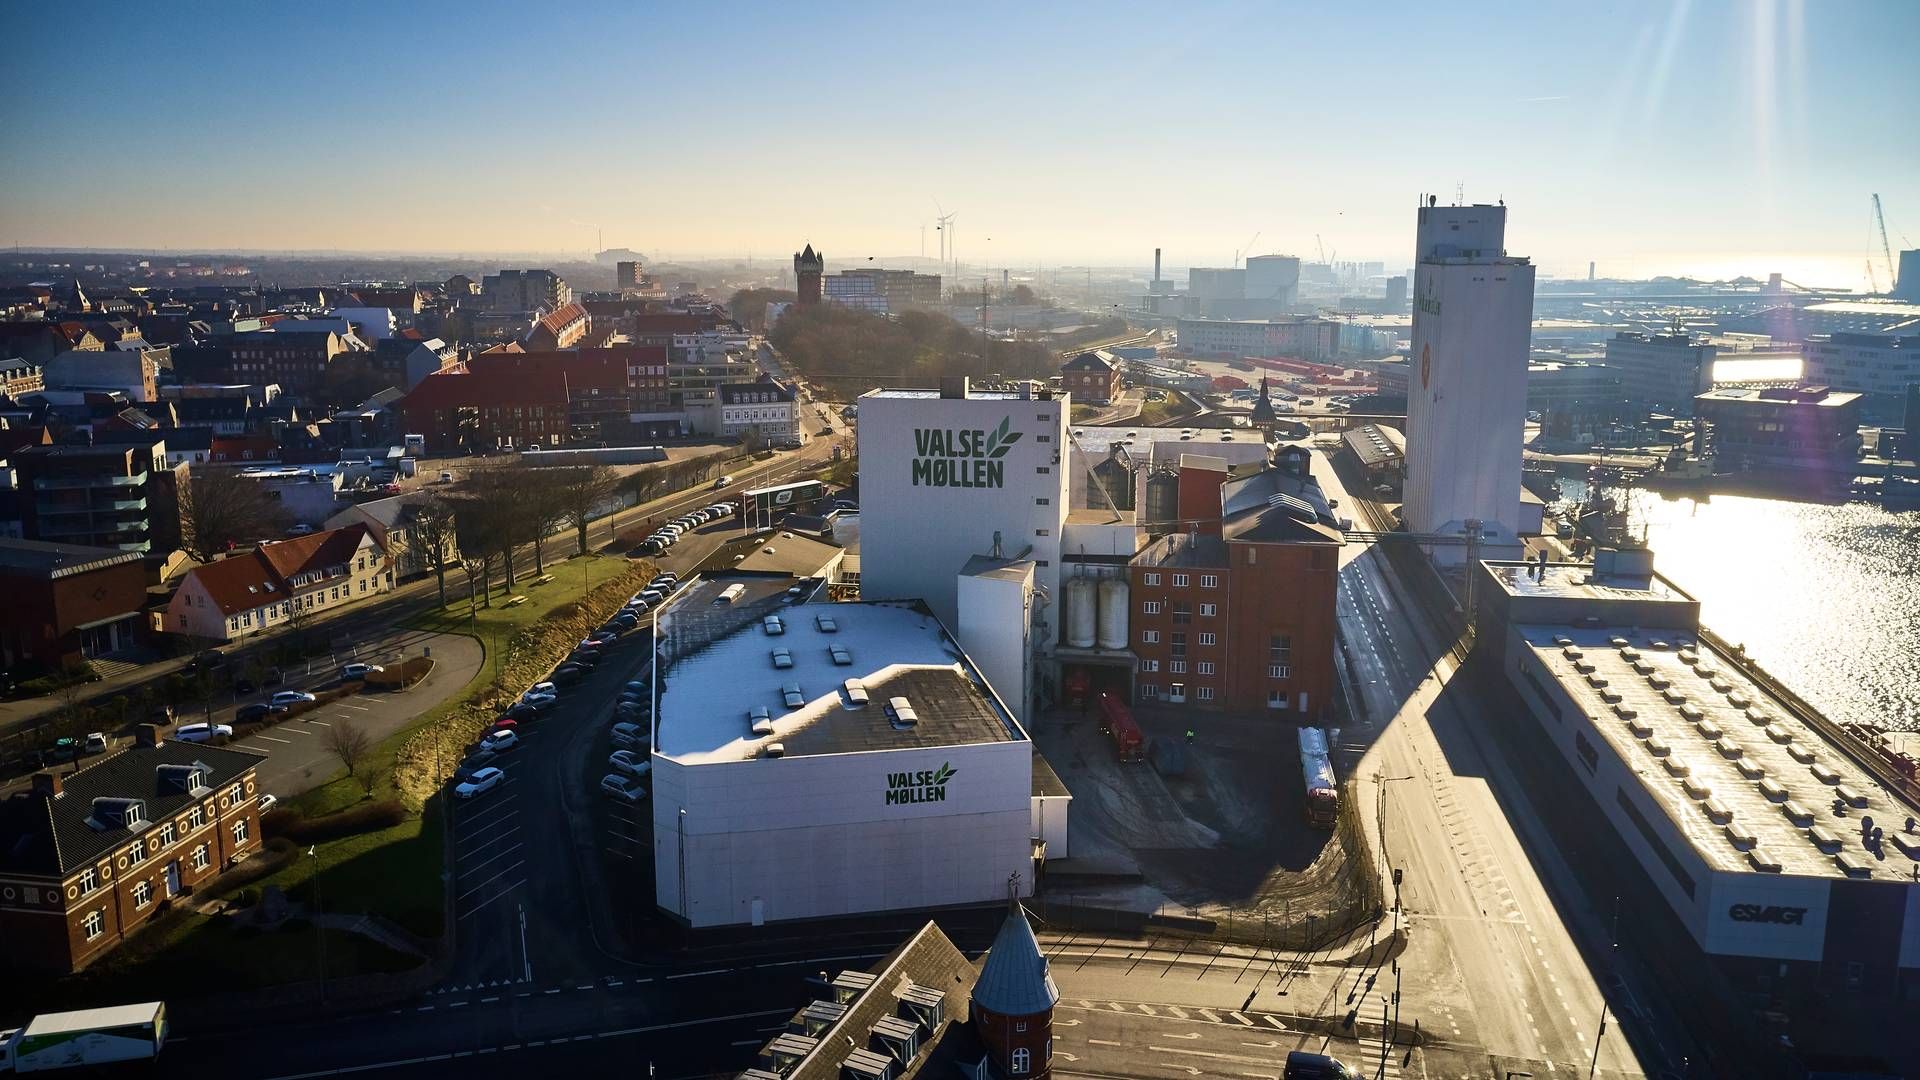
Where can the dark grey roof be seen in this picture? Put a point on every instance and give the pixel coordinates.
(923, 967)
(58, 560)
(55, 837)
(1015, 981)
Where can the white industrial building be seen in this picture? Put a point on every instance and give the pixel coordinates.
(826, 760)
(1785, 855)
(952, 473)
(1467, 392)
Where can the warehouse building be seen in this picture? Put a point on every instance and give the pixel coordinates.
(825, 760)
(1788, 857)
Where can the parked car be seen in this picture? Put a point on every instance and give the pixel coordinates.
(268, 800)
(252, 711)
(352, 672)
(629, 762)
(482, 780)
(500, 741)
(202, 733)
(622, 788)
(96, 743)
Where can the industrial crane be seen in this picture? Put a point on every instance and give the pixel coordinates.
(1886, 249)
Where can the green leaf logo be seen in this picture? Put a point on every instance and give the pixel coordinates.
(1001, 439)
(946, 773)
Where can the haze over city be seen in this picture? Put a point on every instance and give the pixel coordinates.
(1710, 139)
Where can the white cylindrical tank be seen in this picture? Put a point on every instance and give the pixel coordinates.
(1113, 614)
(1080, 613)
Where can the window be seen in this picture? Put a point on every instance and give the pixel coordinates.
(1149, 637)
(1150, 607)
(1177, 667)
(1150, 579)
(1178, 641)
(1203, 693)
(1205, 667)
(1279, 649)
(1207, 611)
(1150, 665)
(165, 836)
(1179, 581)
(240, 831)
(142, 893)
(1209, 581)
(1206, 639)
(1278, 671)
(137, 854)
(89, 881)
(1022, 1058)
(94, 924)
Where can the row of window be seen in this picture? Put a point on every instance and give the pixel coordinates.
(1207, 581)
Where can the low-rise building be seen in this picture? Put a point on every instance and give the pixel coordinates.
(66, 603)
(1092, 377)
(285, 580)
(89, 857)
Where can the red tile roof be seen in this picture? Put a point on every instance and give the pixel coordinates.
(244, 582)
(475, 388)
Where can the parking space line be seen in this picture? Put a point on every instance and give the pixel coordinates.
(496, 876)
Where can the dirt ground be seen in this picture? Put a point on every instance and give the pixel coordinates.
(1224, 836)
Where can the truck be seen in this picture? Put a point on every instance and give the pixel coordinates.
(1316, 767)
(88, 1037)
(1117, 721)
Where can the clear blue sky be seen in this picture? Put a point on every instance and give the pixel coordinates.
(1647, 136)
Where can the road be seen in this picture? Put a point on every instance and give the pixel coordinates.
(1506, 952)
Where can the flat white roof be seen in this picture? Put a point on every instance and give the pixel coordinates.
(1761, 772)
(894, 649)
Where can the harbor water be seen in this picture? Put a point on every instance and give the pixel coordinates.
(1825, 597)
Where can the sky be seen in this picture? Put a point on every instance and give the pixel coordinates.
(1672, 137)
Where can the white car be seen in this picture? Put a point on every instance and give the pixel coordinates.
(350, 672)
(482, 780)
(500, 740)
(202, 732)
(630, 762)
(290, 697)
(622, 788)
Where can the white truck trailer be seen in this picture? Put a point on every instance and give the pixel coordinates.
(88, 1037)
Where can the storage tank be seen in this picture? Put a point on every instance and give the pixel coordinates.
(1080, 613)
(1113, 614)
(1163, 501)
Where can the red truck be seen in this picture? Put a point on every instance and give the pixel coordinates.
(1117, 721)
(1316, 767)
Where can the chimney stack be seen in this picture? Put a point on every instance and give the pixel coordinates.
(147, 736)
(46, 785)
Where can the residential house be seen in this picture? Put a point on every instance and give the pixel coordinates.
(87, 858)
(250, 592)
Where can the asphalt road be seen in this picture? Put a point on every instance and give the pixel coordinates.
(1506, 953)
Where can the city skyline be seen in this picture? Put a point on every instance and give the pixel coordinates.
(757, 133)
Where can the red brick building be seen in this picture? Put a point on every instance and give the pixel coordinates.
(88, 857)
(1093, 378)
(471, 411)
(1241, 615)
(66, 603)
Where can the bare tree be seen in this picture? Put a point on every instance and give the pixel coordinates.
(219, 510)
(348, 742)
(582, 489)
(433, 532)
